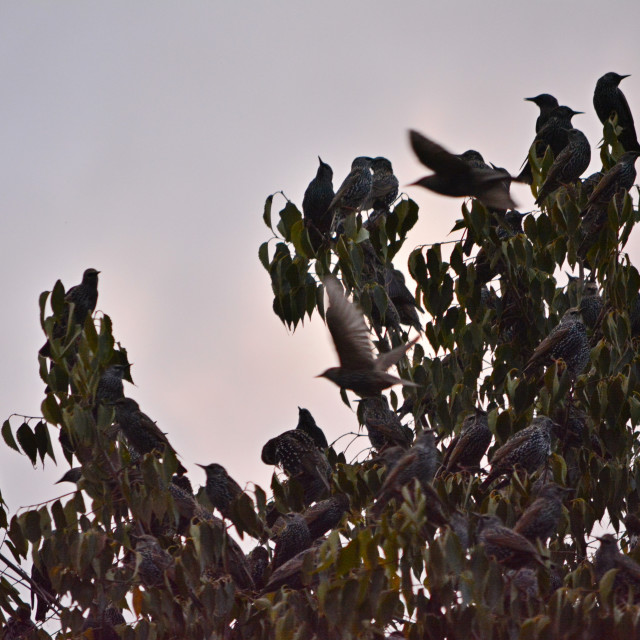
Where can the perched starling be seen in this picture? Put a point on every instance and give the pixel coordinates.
(258, 561)
(102, 623)
(555, 134)
(289, 574)
(467, 448)
(547, 103)
(152, 561)
(326, 514)
(384, 189)
(83, 297)
(459, 524)
(418, 463)
(607, 100)
(619, 178)
(540, 519)
(402, 298)
(457, 178)
(20, 626)
(591, 305)
(110, 386)
(315, 204)
(567, 341)
(390, 456)
(353, 192)
(297, 454)
(383, 425)
(293, 538)
(528, 449)
(525, 581)
(221, 488)
(358, 369)
(140, 430)
(41, 590)
(307, 423)
(569, 164)
(72, 475)
(608, 557)
(508, 547)
(591, 182)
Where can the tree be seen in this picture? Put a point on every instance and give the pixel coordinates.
(133, 536)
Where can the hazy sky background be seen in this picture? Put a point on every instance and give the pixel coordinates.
(143, 138)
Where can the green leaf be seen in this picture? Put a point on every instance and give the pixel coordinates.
(8, 435)
(28, 442)
(266, 216)
(263, 255)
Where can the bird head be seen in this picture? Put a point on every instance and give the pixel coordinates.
(381, 165)
(543, 100)
(324, 170)
(332, 374)
(629, 156)
(90, 275)
(607, 540)
(613, 77)
(213, 469)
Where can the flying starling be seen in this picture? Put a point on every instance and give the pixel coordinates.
(358, 369)
(608, 557)
(418, 463)
(384, 188)
(608, 99)
(402, 298)
(467, 448)
(591, 305)
(297, 454)
(547, 103)
(326, 514)
(540, 519)
(457, 178)
(152, 561)
(353, 192)
(568, 166)
(567, 341)
(221, 489)
(83, 297)
(508, 547)
(307, 423)
(110, 387)
(141, 431)
(315, 204)
(383, 425)
(554, 134)
(293, 538)
(527, 449)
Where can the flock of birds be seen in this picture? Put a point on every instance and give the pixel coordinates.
(302, 452)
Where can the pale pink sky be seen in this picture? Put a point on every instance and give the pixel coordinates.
(142, 139)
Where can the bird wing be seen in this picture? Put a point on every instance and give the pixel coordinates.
(389, 358)
(506, 538)
(153, 428)
(545, 348)
(435, 157)
(348, 329)
(604, 184)
(345, 186)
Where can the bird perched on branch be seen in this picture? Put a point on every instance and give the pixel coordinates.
(546, 103)
(508, 547)
(568, 166)
(383, 425)
(110, 387)
(609, 99)
(353, 192)
(591, 304)
(467, 448)
(527, 449)
(540, 519)
(307, 423)
(457, 178)
(293, 538)
(326, 514)
(384, 188)
(221, 488)
(315, 204)
(358, 370)
(608, 557)
(401, 297)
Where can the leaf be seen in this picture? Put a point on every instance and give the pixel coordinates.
(8, 435)
(43, 441)
(263, 255)
(28, 442)
(266, 216)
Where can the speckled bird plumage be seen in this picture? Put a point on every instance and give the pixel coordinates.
(221, 489)
(469, 446)
(540, 519)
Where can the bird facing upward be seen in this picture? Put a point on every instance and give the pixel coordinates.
(358, 370)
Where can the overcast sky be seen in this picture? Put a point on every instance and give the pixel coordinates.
(143, 138)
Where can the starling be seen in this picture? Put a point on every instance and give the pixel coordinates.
(83, 297)
(474, 159)
(554, 134)
(353, 192)
(383, 425)
(73, 475)
(41, 590)
(568, 165)
(390, 456)
(457, 178)
(20, 626)
(102, 624)
(384, 188)
(619, 178)
(402, 298)
(591, 305)
(528, 449)
(525, 580)
(467, 448)
(540, 519)
(609, 557)
(258, 561)
(222, 490)
(152, 561)
(459, 524)
(315, 204)
(293, 538)
(358, 369)
(307, 423)
(110, 386)
(547, 103)
(567, 341)
(140, 430)
(297, 454)
(591, 182)
(325, 515)
(289, 574)
(608, 99)
(418, 463)
(509, 548)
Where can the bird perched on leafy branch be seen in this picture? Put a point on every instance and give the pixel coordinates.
(384, 188)
(540, 519)
(608, 557)
(508, 547)
(221, 488)
(609, 99)
(467, 448)
(546, 103)
(291, 539)
(315, 204)
(358, 370)
(353, 192)
(307, 423)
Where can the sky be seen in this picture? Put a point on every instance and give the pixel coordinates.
(142, 139)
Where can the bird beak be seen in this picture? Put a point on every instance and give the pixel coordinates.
(202, 466)
(627, 76)
(319, 158)
(530, 99)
